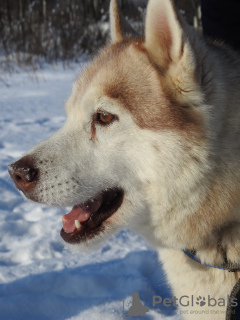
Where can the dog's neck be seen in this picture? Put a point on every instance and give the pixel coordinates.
(197, 220)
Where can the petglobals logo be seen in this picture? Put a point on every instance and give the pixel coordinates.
(133, 307)
(191, 301)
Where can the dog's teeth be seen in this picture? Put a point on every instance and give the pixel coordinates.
(77, 224)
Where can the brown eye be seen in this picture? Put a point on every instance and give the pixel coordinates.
(105, 118)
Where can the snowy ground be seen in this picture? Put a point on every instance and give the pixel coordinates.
(39, 279)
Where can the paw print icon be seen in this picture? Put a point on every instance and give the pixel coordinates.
(201, 301)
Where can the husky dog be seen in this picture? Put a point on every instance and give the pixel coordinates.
(151, 143)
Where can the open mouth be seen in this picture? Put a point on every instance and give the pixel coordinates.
(86, 219)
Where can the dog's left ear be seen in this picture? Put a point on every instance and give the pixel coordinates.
(119, 27)
(168, 47)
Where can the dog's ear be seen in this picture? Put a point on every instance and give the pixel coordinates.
(168, 47)
(119, 27)
(163, 32)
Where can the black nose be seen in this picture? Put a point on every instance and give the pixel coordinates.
(23, 173)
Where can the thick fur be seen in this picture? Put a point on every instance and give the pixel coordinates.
(174, 150)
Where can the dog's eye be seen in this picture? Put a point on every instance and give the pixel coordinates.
(104, 118)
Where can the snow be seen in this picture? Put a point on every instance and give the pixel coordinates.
(39, 279)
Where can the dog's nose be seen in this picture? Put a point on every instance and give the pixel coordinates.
(23, 173)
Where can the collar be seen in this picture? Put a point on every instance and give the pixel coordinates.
(228, 266)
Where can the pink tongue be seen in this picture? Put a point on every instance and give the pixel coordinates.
(77, 213)
(81, 212)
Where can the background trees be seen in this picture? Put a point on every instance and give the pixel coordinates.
(33, 31)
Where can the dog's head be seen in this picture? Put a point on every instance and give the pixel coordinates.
(131, 141)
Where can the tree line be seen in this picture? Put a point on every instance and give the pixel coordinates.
(32, 31)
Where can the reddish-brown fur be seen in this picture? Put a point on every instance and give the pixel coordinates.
(151, 106)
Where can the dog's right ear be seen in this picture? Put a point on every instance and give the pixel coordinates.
(163, 33)
(119, 27)
(167, 44)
